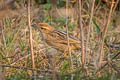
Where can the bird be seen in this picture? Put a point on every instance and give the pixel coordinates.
(58, 39)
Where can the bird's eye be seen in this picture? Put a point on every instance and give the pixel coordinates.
(42, 28)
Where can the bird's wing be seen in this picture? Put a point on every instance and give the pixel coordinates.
(61, 37)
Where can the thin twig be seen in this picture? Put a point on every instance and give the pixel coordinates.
(89, 27)
(26, 68)
(3, 35)
(81, 32)
(68, 42)
(117, 2)
(104, 34)
(30, 38)
(1, 74)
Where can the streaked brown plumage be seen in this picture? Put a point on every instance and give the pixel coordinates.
(57, 39)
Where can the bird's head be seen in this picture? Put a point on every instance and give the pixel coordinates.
(45, 28)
